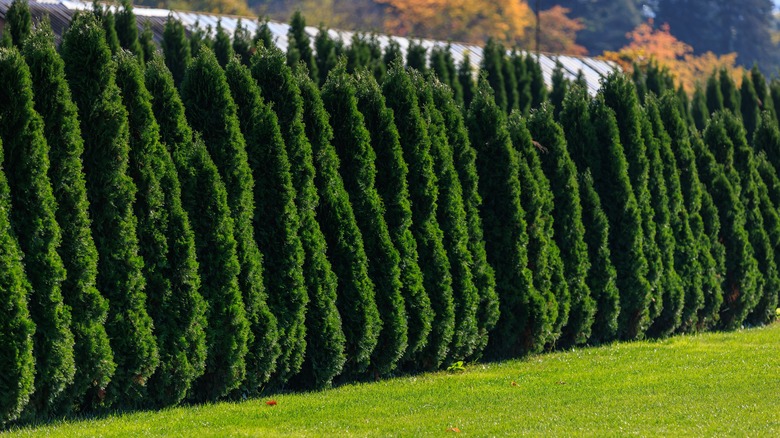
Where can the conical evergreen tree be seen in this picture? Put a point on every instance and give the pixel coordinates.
(493, 67)
(146, 40)
(299, 39)
(749, 104)
(393, 53)
(443, 65)
(523, 82)
(699, 110)
(464, 161)
(199, 37)
(176, 49)
(18, 22)
(765, 102)
(352, 143)
(714, 94)
(537, 86)
(16, 345)
(391, 185)
(263, 35)
(279, 240)
(280, 88)
(466, 81)
(32, 217)
(242, 42)
(402, 98)
(416, 56)
(108, 21)
(166, 244)
(211, 110)
(730, 92)
(111, 193)
(356, 300)
(325, 54)
(205, 199)
(559, 88)
(223, 47)
(451, 215)
(521, 327)
(510, 82)
(93, 356)
(127, 29)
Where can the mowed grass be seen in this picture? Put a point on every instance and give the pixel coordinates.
(725, 384)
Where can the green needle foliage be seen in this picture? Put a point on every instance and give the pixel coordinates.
(107, 20)
(326, 54)
(16, 344)
(300, 43)
(700, 113)
(510, 82)
(750, 104)
(279, 86)
(537, 86)
(167, 245)
(523, 82)
(111, 193)
(223, 47)
(568, 225)
(127, 29)
(522, 326)
(18, 22)
(451, 215)
(391, 185)
(199, 37)
(211, 110)
(416, 56)
(730, 92)
(493, 68)
(352, 143)
(277, 232)
(356, 301)
(242, 43)
(33, 221)
(176, 49)
(464, 161)
(466, 80)
(560, 87)
(401, 97)
(146, 39)
(263, 36)
(714, 95)
(443, 65)
(204, 198)
(94, 358)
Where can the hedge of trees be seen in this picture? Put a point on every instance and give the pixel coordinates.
(216, 218)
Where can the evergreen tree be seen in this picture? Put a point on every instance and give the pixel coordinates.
(416, 56)
(493, 67)
(111, 193)
(730, 92)
(699, 110)
(176, 49)
(263, 35)
(765, 102)
(205, 200)
(325, 54)
(16, 345)
(127, 29)
(280, 88)
(242, 42)
(443, 65)
(211, 110)
(146, 40)
(559, 88)
(523, 82)
(33, 223)
(108, 21)
(714, 94)
(298, 38)
(223, 50)
(18, 22)
(522, 326)
(766, 139)
(277, 230)
(451, 215)
(166, 244)
(94, 358)
(466, 81)
(392, 53)
(537, 86)
(400, 95)
(750, 104)
(352, 143)
(391, 185)
(510, 82)
(199, 37)
(356, 297)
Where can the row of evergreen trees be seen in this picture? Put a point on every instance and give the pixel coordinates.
(250, 229)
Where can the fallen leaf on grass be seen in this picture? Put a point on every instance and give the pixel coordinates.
(271, 402)
(514, 383)
(453, 429)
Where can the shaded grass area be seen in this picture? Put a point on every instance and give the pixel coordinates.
(712, 384)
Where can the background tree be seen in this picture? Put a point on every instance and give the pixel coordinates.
(537, 86)
(176, 49)
(299, 39)
(466, 80)
(493, 66)
(223, 45)
(417, 56)
(18, 22)
(242, 42)
(146, 40)
(127, 29)
(325, 54)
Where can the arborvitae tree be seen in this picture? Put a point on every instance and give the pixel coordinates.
(111, 193)
(33, 222)
(765, 102)
(640, 82)
(205, 200)
(493, 67)
(211, 110)
(730, 92)
(325, 54)
(443, 65)
(673, 293)
(391, 185)
(299, 41)
(626, 241)
(620, 95)
(602, 277)
(770, 197)
(714, 94)
(277, 233)
(464, 160)
(358, 53)
(93, 356)
(16, 345)
(18, 22)
(523, 77)
(176, 49)
(510, 82)
(223, 49)
(466, 81)
(242, 42)
(393, 53)
(352, 143)
(5, 40)
(537, 86)
(766, 139)
(559, 88)
(750, 105)
(199, 37)
(356, 297)
(166, 244)
(521, 327)
(452, 219)
(263, 36)
(127, 29)
(280, 88)
(108, 20)
(416, 56)
(699, 110)
(146, 40)
(742, 283)
(544, 258)
(402, 99)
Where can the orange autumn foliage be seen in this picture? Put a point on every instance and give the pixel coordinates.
(559, 32)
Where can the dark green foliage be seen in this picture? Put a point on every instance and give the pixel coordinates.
(280, 88)
(176, 49)
(356, 300)
(750, 104)
(146, 40)
(33, 223)
(699, 110)
(765, 102)
(560, 87)
(111, 193)
(714, 94)
(393, 53)
(223, 50)
(205, 199)
(325, 54)
(200, 37)
(451, 215)
(16, 344)
(493, 67)
(211, 110)
(510, 83)
(242, 43)
(522, 326)
(466, 81)
(464, 161)
(536, 84)
(416, 56)
(523, 82)
(298, 40)
(401, 97)
(18, 22)
(766, 139)
(263, 36)
(569, 228)
(167, 246)
(391, 185)
(94, 359)
(352, 143)
(443, 65)
(108, 21)
(728, 88)
(277, 232)
(127, 30)
(365, 51)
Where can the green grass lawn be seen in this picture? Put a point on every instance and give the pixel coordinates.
(725, 384)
